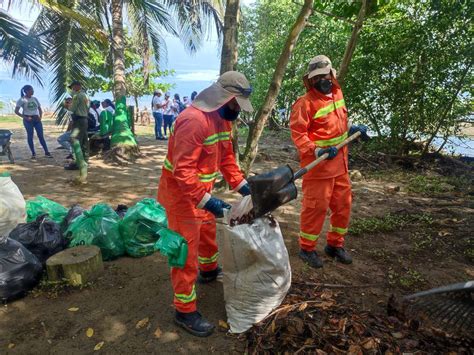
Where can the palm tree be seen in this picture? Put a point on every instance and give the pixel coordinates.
(18, 48)
(68, 37)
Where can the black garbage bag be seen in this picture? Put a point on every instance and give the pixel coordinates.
(121, 210)
(74, 211)
(20, 270)
(42, 237)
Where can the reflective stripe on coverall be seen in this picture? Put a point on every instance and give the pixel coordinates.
(199, 150)
(319, 121)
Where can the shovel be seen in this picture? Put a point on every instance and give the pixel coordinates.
(277, 187)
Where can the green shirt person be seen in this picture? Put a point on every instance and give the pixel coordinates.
(80, 101)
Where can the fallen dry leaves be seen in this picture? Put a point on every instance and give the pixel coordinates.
(318, 320)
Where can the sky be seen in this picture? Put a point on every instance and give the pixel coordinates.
(192, 72)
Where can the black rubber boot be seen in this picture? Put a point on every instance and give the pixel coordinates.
(339, 253)
(311, 258)
(194, 323)
(208, 276)
(71, 166)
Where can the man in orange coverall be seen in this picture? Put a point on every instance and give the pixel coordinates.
(199, 148)
(318, 123)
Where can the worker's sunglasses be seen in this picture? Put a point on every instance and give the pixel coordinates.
(244, 91)
(319, 65)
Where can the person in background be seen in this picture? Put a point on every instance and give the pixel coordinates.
(193, 96)
(157, 109)
(65, 139)
(108, 105)
(178, 106)
(80, 112)
(186, 101)
(31, 114)
(168, 112)
(93, 122)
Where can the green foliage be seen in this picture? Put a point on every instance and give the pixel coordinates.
(25, 52)
(101, 71)
(262, 36)
(410, 75)
(413, 58)
(388, 223)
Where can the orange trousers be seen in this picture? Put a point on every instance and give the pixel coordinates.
(200, 233)
(319, 195)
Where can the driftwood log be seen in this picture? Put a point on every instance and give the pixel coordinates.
(77, 265)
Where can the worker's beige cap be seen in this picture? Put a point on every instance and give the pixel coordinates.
(320, 65)
(230, 85)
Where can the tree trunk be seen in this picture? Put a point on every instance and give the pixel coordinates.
(137, 112)
(229, 55)
(351, 45)
(265, 110)
(77, 265)
(118, 48)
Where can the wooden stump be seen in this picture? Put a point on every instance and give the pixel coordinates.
(78, 265)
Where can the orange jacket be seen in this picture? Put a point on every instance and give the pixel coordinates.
(199, 148)
(319, 121)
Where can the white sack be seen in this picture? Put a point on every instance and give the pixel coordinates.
(12, 206)
(257, 272)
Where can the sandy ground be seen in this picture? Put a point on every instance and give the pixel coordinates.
(414, 257)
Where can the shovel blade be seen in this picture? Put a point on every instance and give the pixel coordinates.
(272, 189)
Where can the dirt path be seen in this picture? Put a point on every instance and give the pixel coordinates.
(403, 242)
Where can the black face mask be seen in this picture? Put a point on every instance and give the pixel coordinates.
(227, 114)
(324, 86)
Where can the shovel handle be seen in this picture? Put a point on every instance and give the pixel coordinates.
(311, 165)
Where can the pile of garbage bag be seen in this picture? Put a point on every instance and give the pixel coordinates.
(41, 205)
(141, 226)
(20, 270)
(100, 227)
(137, 231)
(12, 205)
(43, 237)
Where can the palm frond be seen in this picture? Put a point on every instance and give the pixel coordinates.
(68, 9)
(17, 47)
(66, 41)
(195, 19)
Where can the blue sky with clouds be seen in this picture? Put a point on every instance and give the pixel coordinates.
(192, 72)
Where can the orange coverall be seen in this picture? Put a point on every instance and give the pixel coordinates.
(199, 148)
(320, 121)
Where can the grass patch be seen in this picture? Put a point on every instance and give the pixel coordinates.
(9, 119)
(388, 223)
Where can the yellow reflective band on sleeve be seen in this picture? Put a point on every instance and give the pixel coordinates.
(184, 298)
(218, 137)
(329, 108)
(212, 259)
(208, 177)
(167, 165)
(332, 141)
(308, 236)
(338, 230)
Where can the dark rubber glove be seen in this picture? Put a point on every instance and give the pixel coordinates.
(244, 190)
(359, 128)
(332, 151)
(216, 207)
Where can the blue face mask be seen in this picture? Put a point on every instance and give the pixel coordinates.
(227, 114)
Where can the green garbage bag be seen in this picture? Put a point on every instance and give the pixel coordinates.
(100, 227)
(140, 226)
(41, 205)
(173, 246)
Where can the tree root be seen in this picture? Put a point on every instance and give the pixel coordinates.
(122, 154)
